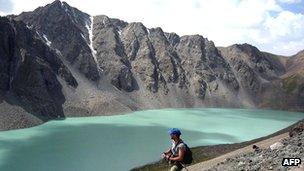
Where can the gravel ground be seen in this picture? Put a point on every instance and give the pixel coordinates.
(268, 157)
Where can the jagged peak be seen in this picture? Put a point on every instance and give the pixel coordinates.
(115, 23)
(173, 34)
(106, 21)
(138, 27)
(137, 24)
(61, 8)
(245, 47)
(119, 24)
(300, 53)
(194, 36)
(58, 5)
(62, 4)
(194, 39)
(157, 30)
(172, 38)
(103, 17)
(57, 2)
(248, 49)
(56, 12)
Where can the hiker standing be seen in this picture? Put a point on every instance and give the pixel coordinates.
(179, 151)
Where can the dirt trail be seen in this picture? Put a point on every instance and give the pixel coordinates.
(262, 144)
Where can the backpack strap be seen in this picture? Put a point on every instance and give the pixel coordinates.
(179, 142)
(181, 162)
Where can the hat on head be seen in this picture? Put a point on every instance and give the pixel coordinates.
(174, 131)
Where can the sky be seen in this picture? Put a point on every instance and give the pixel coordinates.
(275, 26)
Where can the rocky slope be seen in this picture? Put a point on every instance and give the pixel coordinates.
(270, 158)
(108, 66)
(29, 72)
(64, 29)
(270, 81)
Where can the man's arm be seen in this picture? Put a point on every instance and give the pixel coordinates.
(167, 152)
(180, 156)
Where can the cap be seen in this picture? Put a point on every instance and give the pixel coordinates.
(174, 131)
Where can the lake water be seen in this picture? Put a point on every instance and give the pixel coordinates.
(122, 142)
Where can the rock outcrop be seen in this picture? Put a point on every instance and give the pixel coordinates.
(29, 71)
(270, 81)
(270, 158)
(65, 29)
(252, 67)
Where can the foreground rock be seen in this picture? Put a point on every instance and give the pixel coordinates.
(270, 158)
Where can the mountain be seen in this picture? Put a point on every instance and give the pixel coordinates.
(29, 72)
(273, 81)
(64, 29)
(98, 65)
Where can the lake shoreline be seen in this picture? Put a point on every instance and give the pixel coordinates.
(205, 153)
(27, 124)
(127, 137)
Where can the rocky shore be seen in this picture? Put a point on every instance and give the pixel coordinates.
(269, 158)
(240, 156)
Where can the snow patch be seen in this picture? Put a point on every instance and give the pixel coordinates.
(38, 33)
(44, 38)
(70, 12)
(148, 31)
(103, 21)
(47, 40)
(83, 36)
(58, 52)
(89, 26)
(167, 36)
(119, 31)
(29, 26)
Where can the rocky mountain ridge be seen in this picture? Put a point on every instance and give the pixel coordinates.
(111, 66)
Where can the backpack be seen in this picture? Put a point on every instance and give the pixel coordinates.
(188, 159)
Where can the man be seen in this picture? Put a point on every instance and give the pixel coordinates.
(176, 153)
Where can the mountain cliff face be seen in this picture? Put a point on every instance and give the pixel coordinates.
(253, 68)
(272, 81)
(30, 70)
(82, 65)
(64, 29)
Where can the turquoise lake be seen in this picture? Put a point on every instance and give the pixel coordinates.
(122, 142)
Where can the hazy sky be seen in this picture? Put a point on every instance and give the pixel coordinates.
(275, 26)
